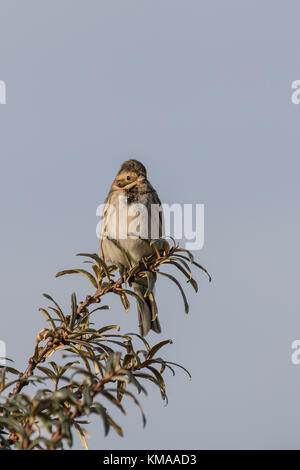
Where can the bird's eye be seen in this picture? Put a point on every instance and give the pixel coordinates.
(128, 178)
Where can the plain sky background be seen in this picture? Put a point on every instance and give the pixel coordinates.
(200, 92)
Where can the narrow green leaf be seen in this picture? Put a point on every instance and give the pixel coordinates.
(137, 403)
(157, 347)
(142, 339)
(198, 266)
(116, 427)
(186, 305)
(48, 317)
(85, 273)
(58, 310)
(139, 301)
(153, 306)
(74, 310)
(180, 367)
(98, 260)
(125, 301)
(81, 435)
(188, 275)
(160, 380)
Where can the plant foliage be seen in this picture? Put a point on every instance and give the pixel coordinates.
(99, 366)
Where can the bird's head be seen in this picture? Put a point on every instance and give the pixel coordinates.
(132, 173)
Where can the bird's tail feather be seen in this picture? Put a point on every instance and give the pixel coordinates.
(147, 318)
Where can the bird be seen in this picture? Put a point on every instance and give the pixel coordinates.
(128, 223)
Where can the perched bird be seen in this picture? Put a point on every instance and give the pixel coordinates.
(128, 225)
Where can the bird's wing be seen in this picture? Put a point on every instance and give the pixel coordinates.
(156, 222)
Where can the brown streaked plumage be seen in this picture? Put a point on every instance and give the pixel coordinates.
(132, 184)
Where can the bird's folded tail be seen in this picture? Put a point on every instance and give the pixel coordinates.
(148, 318)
